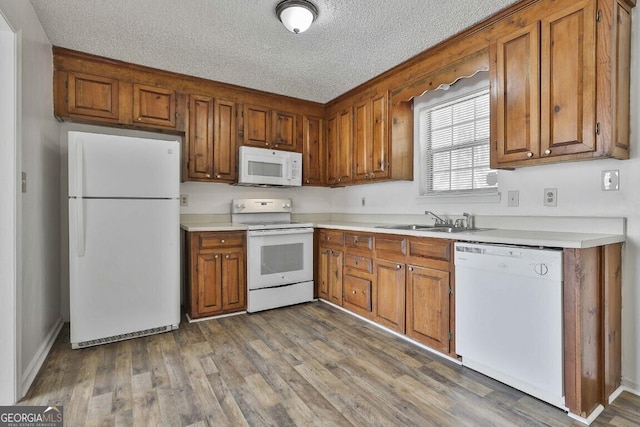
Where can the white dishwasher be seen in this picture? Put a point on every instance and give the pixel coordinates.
(509, 316)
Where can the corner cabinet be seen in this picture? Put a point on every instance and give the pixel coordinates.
(560, 87)
(216, 278)
(400, 282)
(210, 147)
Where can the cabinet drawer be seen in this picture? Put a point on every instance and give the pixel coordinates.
(359, 241)
(332, 237)
(221, 240)
(357, 293)
(427, 252)
(359, 263)
(391, 247)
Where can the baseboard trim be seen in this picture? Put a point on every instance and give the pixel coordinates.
(591, 418)
(38, 359)
(631, 386)
(397, 334)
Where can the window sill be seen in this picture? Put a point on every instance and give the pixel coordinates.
(461, 198)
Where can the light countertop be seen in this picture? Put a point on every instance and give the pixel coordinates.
(556, 239)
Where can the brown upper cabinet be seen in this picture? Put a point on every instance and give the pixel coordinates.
(313, 158)
(154, 105)
(92, 97)
(269, 128)
(371, 138)
(211, 139)
(339, 147)
(553, 89)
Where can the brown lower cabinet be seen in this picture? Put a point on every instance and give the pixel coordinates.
(407, 284)
(400, 282)
(216, 278)
(428, 295)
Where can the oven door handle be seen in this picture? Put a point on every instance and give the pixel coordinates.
(279, 232)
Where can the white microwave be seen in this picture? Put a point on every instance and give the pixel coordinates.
(262, 166)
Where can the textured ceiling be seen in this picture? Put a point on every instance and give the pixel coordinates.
(243, 43)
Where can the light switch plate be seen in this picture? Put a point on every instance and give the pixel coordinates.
(513, 199)
(551, 197)
(610, 180)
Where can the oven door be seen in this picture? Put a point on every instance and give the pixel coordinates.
(279, 257)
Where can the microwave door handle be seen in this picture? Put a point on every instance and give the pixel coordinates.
(288, 167)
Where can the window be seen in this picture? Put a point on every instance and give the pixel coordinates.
(454, 146)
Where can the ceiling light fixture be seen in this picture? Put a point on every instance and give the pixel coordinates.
(296, 15)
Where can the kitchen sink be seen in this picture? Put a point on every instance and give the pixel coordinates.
(433, 228)
(407, 227)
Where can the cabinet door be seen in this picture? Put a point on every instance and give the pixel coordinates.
(93, 96)
(333, 155)
(312, 151)
(154, 105)
(234, 287)
(357, 295)
(257, 126)
(362, 153)
(428, 307)
(345, 136)
(568, 80)
(209, 280)
(200, 137)
(390, 294)
(380, 136)
(323, 273)
(518, 95)
(224, 142)
(285, 130)
(335, 277)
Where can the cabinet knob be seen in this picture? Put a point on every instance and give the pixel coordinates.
(328, 238)
(529, 154)
(307, 181)
(353, 292)
(355, 241)
(398, 266)
(208, 175)
(227, 257)
(216, 257)
(139, 119)
(222, 241)
(410, 268)
(547, 152)
(217, 176)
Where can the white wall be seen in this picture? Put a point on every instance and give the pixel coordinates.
(39, 233)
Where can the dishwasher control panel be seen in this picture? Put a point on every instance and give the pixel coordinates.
(518, 260)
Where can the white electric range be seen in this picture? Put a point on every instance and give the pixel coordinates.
(279, 253)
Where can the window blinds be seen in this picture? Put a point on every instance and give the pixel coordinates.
(454, 146)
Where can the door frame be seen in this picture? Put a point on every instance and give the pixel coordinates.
(10, 224)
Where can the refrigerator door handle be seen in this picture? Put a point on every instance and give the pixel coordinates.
(79, 200)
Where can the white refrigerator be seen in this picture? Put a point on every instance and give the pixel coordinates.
(124, 237)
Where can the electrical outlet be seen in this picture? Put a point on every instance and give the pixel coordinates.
(513, 199)
(184, 200)
(551, 197)
(610, 180)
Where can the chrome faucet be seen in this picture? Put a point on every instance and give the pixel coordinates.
(469, 219)
(439, 221)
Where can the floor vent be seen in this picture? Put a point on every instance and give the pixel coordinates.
(123, 337)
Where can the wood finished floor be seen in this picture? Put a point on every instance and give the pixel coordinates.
(305, 365)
